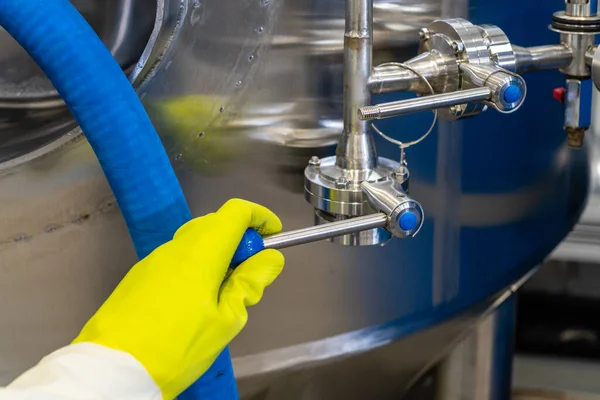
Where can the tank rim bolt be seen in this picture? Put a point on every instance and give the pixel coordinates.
(314, 162)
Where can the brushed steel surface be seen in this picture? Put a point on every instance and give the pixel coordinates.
(243, 95)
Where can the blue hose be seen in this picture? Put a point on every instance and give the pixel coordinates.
(117, 127)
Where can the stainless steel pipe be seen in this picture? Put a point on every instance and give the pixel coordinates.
(356, 149)
(325, 231)
(539, 58)
(402, 107)
(393, 79)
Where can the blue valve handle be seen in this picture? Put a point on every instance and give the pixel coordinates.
(251, 243)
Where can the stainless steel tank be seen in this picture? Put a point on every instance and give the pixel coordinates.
(243, 92)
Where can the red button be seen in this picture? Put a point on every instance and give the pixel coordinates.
(559, 94)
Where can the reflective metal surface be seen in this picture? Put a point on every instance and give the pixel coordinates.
(326, 231)
(356, 150)
(364, 238)
(123, 25)
(329, 190)
(482, 56)
(425, 103)
(405, 215)
(579, 44)
(244, 94)
(32, 114)
(356, 160)
(539, 58)
(439, 71)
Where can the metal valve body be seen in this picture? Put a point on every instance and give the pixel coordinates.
(470, 67)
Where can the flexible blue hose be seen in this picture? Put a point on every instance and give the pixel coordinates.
(117, 127)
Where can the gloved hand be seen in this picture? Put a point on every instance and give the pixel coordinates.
(173, 311)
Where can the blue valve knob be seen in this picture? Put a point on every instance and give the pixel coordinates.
(409, 221)
(512, 94)
(251, 244)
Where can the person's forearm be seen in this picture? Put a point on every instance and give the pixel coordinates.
(84, 371)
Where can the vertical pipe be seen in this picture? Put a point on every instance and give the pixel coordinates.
(579, 43)
(356, 150)
(580, 8)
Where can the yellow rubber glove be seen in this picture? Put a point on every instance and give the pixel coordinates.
(173, 311)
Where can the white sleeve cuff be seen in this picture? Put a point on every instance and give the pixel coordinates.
(84, 371)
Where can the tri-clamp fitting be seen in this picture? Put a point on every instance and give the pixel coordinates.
(469, 68)
(338, 196)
